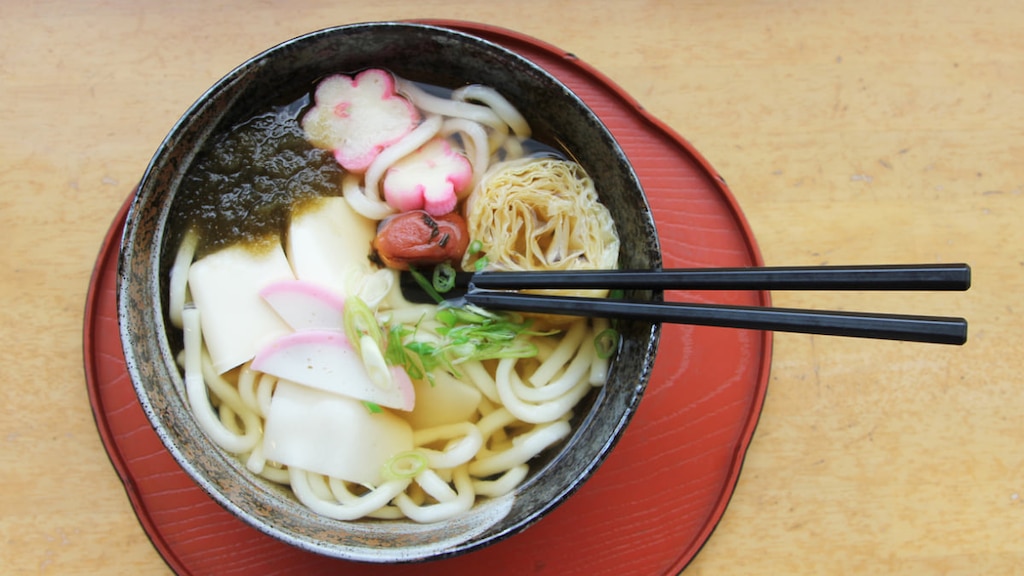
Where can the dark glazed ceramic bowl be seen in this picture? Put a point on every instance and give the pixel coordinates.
(436, 56)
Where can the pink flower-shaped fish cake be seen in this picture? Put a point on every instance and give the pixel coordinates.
(358, 117)
(431, 178)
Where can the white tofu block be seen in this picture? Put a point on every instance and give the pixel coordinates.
(329, 244)
(331, 434)
(225, 287)
(445, 401)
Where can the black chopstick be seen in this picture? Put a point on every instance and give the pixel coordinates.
(931, 277)
(895, 277)
(930, 329)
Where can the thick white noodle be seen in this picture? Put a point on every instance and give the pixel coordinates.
(361, 506)
(464, 439)
(341, 492)
(357, 198)
(435, 486)
(256, 462)
(196, 393)
(513, 149)
(578, 368)
(523, 449)
(229, 420)
(545, 347)
(494, 422)
(478, 148)
(409, 143)
(264, 392)
(276, 475)
(536, 413)
(318, 483)
(442, 510)
(565, 350)
(451, 108)
(481, 378)
(363, 192)
(496, 102)
(503, 484)
(178, 287)
(226, 393)
(599, 368)
(247, 378)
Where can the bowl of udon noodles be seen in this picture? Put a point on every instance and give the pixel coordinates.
(264, 323)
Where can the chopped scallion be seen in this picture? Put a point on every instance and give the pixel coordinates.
(425, 285)
(444, 277)
(360, 321)
(466, 333)
(404, 465)
(447, 317)
(606, 342)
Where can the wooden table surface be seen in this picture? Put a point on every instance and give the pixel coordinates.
(850, 132)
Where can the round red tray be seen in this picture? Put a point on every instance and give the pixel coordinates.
(650, 507)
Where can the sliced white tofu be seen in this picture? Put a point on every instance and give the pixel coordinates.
(331, 434)
(329, 244)
(446, 401)
(225, 287)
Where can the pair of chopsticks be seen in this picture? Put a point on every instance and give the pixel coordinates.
(490, 290)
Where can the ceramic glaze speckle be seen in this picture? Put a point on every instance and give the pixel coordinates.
(416, 52)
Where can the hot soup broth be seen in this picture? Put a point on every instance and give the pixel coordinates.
(299, 354)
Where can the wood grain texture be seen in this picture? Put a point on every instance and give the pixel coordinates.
(850, 132)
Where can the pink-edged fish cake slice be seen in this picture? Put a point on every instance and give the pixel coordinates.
(326, 360)
(305, 305)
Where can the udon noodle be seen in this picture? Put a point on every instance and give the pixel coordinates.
(491, 390)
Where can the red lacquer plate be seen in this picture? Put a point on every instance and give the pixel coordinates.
(658, 496)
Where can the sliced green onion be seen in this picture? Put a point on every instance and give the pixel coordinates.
(425, 285)
(462, 351)
(404, 465)
(394, 353)
(475, 246)
(519, 349)
(375, 363)
(360, 321)
(466, 333)
(470, 317)
(373, 407)
(427, 354)
(481, 263)
(447, 317)
(606, 342)
(444, 277)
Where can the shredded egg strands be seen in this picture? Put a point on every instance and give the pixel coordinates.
(540, 214)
